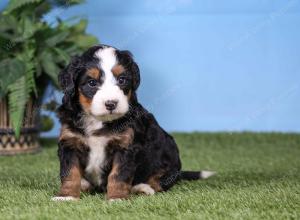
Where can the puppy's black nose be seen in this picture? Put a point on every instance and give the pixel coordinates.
(111, 105)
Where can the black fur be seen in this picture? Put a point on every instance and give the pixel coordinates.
(153, 151)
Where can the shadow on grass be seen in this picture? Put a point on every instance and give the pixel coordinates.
(48, 142)
(237, 180)
(240, 179)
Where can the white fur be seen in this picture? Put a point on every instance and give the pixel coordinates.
(85, 185)
(97, 150)
(92, 124)
(64, 198)
(96, 158)
(205, 174)
(109, 90)
(143, 188)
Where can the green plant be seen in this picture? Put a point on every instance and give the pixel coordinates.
(32, 52)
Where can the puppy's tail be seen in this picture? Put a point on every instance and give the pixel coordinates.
(196, 175)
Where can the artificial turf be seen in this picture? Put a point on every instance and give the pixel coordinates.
(258, 178)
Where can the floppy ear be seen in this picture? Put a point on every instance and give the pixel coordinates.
(136, 76)
(67, 78)
(133, 67)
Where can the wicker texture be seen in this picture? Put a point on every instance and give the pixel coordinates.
(28, 140)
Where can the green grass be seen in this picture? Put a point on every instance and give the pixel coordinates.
(258, 178)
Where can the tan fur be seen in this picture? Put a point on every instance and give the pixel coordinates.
(115, 188)
(154, 182)
(118, 70)
(70, 185)
(123, 139)
(85, 102)
(94, 73)
(118, 139)
(75, 140)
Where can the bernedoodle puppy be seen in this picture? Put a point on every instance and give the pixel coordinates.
(108, 141)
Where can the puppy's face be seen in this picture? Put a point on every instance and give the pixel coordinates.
(106, 82)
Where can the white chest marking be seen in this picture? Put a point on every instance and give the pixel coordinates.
(97, 155)
(96, 158)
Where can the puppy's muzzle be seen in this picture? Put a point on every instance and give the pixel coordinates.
(111, 105)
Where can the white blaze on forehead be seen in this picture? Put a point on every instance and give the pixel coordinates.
(109, 90)
(108, 60)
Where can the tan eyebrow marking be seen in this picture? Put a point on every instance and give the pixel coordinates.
(94, 73)
(118, 70)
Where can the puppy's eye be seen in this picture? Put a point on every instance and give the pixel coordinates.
(122, 80)
(92, 83)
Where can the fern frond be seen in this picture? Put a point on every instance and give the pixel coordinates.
(30, 78)
(17, 98)
(20, 91)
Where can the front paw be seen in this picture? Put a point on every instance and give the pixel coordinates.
(64, 198)
(117, 194)
(117, 190)
(143, 188)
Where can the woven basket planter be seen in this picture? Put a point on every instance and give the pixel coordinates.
(29, 136)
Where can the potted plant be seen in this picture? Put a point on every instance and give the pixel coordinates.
(32, 53)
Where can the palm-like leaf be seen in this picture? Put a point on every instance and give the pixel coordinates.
(32, 50)
(17, 98)
(10, 71)
(20, 91)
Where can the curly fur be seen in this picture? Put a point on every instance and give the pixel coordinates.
(127, 151)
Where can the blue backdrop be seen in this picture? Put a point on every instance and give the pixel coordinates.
(208, 65)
